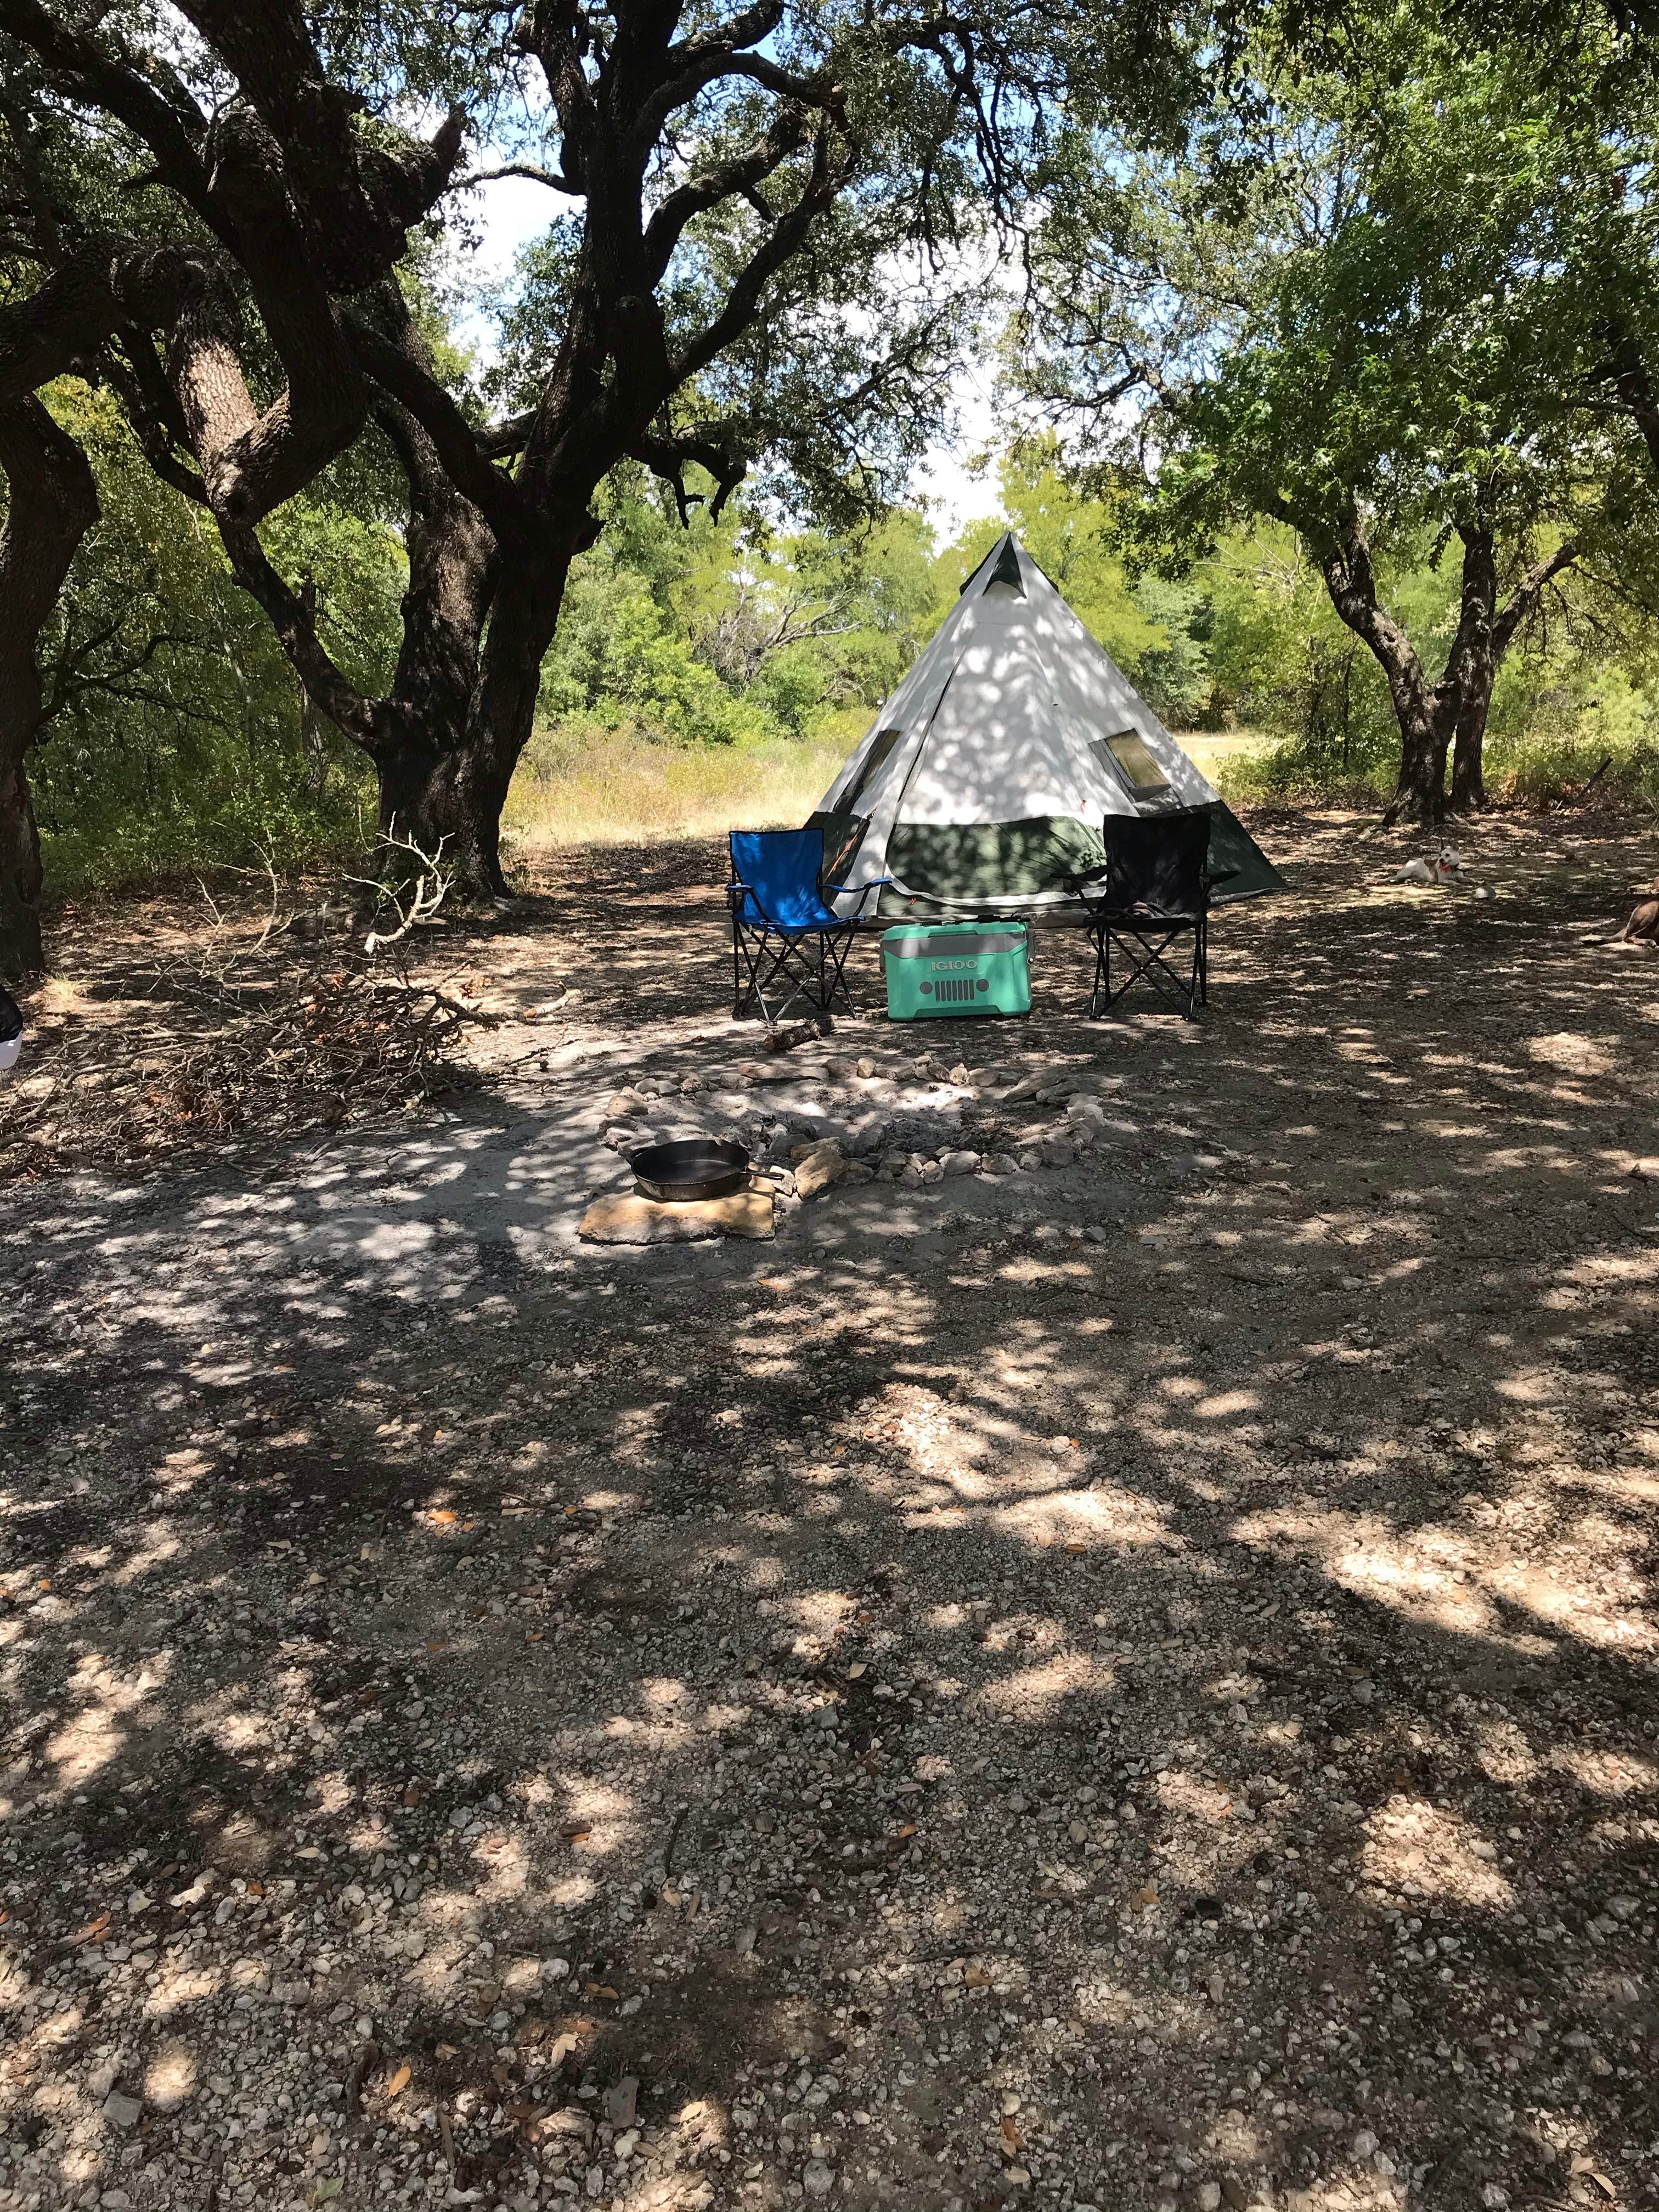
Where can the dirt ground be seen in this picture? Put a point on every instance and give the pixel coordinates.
(1129, 1683)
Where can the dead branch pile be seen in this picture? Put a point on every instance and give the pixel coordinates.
(235, 1060)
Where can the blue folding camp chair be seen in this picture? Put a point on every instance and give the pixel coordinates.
(787, 942)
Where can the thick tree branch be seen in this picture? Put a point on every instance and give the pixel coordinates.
(668, 455)
(167, 121)
(152, 408)
(785, 239)
(250, 461)
(106, 282)
(51, 503)
(554, 32)
(747, 28)
(395, 365)
(295, 626)
(555, 179)
(357, 197)
(789, 85)
(1525, 596)
(726, 179)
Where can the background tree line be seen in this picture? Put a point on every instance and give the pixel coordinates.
(1327, 398)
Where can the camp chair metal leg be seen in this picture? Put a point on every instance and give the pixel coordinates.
(1145, 961)
(748, 950)
(807, 967)
(1100, 996)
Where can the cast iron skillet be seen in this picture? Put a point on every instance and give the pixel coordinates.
(689, 1168)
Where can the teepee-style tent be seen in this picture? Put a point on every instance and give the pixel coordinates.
(987, 773)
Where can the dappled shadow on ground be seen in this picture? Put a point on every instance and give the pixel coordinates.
(1131, 1681)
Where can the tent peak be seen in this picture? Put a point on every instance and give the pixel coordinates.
(1000, 565)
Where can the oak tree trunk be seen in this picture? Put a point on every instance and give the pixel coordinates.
(1421, 793)
(446, 770)
(431, 797)
(51, 503)
(1424, 732)
(1468, 788)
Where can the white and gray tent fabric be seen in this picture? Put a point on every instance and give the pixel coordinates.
(985, 775)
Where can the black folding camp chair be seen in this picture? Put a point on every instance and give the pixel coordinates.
(788, 943)
(1152, 889)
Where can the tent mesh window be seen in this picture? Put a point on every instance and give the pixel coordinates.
(880, 753)
(1126, 752)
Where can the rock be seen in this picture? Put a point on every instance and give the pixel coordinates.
(931, 1171)
(621, 2101)
(867, 1068)
(856, 1171)
(1027, 1087)
(1364, 2143)
(959, 1074)
(959, 1162)
(629, 1219)
(1055, 1153)
(1030, 1159)
(817, 2180)
(1234, 2192)
(625, 1104)
(122, 2111)
(1209, 2196)
(823, 1165)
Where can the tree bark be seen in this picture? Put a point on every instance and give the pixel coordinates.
(1471, 668)
(1451, 714)
(1425, 726)
(441, 768)
(52, 502)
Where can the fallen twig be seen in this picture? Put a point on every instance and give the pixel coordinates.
(365, 2057)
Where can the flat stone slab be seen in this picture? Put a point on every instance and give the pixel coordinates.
(627, 1218)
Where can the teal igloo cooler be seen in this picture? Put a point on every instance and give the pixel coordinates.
(956, 968)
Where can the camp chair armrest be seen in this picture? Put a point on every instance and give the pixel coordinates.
(864, 890)
(1073, 880)
(1220, 875)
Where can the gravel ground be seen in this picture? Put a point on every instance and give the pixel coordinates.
(1125, 1682)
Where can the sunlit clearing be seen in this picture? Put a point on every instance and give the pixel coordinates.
(1409, 1840)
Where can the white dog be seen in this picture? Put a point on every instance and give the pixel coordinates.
(1446, 870)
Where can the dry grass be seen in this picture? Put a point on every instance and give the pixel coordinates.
(586, 786)
(580, 784)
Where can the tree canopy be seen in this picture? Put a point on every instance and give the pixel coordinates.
(1357, 304)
